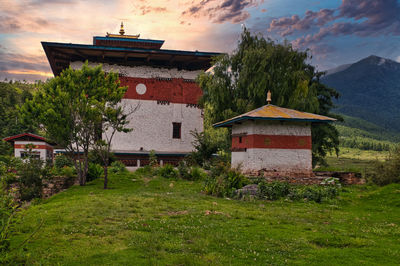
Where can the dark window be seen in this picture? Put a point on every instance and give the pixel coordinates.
(176, 130)
(240, 139)
(33, 154)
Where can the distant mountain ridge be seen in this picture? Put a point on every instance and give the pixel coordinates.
(370, 90)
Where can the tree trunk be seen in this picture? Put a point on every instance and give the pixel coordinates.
(105, 176)
(86, 166)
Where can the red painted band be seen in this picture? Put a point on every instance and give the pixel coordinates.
(271, 142)
(175, 90)
(41, 147)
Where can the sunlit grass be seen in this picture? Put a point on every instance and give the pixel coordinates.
(163, 222)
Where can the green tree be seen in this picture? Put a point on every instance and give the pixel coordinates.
(12, 95)
(239, 82)
(114, 119)
(68, 109)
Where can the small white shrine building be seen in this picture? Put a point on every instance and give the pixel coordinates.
(274, 140)
(41, 149)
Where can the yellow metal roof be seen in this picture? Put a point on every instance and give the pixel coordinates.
(272, 112)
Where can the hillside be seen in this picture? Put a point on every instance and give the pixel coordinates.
(156, 221)
(370, 90)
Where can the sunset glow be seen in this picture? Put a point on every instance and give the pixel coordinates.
(336, 32)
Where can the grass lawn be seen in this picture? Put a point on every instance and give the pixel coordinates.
(162, 222)
(353, 160)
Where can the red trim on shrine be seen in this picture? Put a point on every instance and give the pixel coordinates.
(41, 147)
(174, 90)
(271, 142)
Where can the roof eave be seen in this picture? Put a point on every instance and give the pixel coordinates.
(229, 123)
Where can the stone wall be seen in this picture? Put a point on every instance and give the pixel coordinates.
(345, 178)
(55, 185)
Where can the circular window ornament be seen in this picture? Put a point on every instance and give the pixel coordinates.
(141, 89)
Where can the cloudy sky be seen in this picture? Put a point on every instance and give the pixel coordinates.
(336, 31)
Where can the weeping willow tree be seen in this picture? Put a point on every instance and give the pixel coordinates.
(239, 83)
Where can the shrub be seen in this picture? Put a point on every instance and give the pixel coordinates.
(30, 179)
(94, 171)
(384, 173)
(273, 191)
(118, 167)
(6, 177)
(277, 190)
(8, 219)
(313, 193)
(167, 171)
(184, 170)
(196, 173)
(68, 172)
(61, 160)
(224, 181)
(153, 159)
(190, 173)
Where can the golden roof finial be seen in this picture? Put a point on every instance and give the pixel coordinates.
(121, 31)
(269, 97)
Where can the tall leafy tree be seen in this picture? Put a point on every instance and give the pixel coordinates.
(239, 82)
(69, 108)
(12, 95)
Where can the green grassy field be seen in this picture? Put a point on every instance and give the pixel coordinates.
(155, 221)
(353, 160)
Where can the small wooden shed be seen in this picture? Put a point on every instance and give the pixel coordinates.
(274, 140)
(42, 149)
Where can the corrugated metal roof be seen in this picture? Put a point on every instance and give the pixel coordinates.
(272, 112)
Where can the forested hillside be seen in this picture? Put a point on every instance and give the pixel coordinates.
(370, 90)
(360, 134)
(12, 95)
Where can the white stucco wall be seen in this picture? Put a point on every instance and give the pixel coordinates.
(273, 128)
(152, 127)
(280, 160)
(143, 71)
(152, 122)
(42, 152)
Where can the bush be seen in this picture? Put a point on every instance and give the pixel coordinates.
(8, 219)
(184, 170)
(384, 173)
(145, 171)
(168, 171)
(224, 181)
(68, 172)
(313, 193)
(196, 173)
(30, 179)
(153, 159)
(94, 171)
(277, 190)
(118, 167)
(190, 173)
(61, 160)
(273, 191)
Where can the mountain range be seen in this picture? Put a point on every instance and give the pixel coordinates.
(369, 91)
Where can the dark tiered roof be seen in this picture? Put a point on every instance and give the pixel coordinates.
(125, 50)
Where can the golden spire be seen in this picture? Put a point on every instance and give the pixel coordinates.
(121, 31)
(122, 34)
(269, 97)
